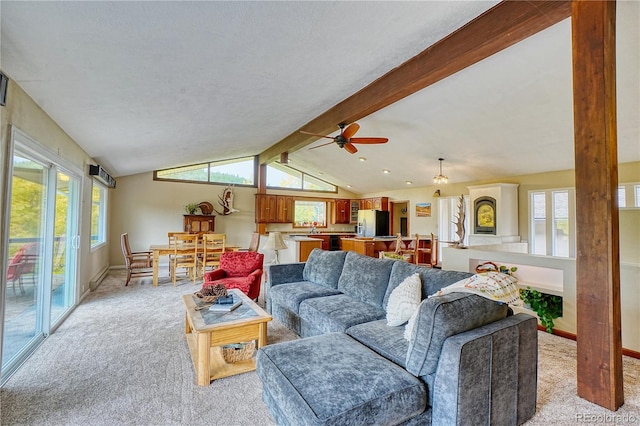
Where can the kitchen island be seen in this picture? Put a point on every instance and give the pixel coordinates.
(330, 240)
(372, 246)
(298, 248)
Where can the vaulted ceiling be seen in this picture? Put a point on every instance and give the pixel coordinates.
(148, 85)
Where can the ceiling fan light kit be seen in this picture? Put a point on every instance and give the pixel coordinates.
(440, 178)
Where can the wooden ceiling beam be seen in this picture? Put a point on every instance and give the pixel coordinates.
(502, 26)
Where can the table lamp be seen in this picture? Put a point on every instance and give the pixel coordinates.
(275, 243)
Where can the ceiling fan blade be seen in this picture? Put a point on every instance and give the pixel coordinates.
(324, 144)
(350, 148)
(368, 140)
(315, 134)
(350, 130)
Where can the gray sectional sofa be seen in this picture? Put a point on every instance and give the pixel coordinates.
(468, 360)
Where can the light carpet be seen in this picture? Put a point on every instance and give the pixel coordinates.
(121, 359)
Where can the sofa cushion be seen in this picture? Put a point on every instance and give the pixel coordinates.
(432, 279)
(333, 380)
(443, 316)
(337, 313)
(365, 278)
(404, 300)
(385, 340)
(290, 295)
(324, 267)
(439, 278)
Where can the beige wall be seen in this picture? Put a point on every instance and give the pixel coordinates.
(629, 219)
(148, 209)
(23, 113)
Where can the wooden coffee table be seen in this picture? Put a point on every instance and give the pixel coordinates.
(208, 331)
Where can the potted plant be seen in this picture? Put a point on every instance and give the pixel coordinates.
(547, 306)
(191, 208)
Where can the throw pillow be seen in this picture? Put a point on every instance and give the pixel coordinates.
(404, 300)
(492, 285)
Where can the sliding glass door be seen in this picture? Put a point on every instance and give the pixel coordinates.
(42, 251)
(65, 245)
(25, 271)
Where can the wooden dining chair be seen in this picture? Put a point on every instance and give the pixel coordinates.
(404, 249)
(254, 244)
(139, 263)
(398, 249)
(430, 252)
(213, 245)
(171, 236)
(185, 256)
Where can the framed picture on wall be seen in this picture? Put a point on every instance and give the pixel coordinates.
(423, 209)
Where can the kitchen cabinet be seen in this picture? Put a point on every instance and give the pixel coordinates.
(195, 223)
(355, 206)
(376, 203)
(381, 203)
(274, 208)
(284, 206)
(266, 208)
(324, 239)
(342, 211)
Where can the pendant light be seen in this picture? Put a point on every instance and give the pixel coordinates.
(440, 178)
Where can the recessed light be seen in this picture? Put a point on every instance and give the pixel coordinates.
(408, 182)
(362, 159)
(320, 173)
(348, 186)
(386, 171)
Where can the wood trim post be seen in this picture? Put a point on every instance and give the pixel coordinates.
(599, 339)
(261, 228)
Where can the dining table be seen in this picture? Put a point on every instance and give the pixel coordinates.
(166, 249)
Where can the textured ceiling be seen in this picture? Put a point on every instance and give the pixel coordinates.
(148, 85)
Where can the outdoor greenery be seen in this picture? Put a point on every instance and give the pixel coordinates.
(547, 306)
(27, 203)
(310, 213)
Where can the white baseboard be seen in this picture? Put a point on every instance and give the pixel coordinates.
(97, 279)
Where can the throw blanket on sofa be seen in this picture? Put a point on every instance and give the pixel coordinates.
(492, 285)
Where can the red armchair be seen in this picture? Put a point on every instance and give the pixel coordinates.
(238, 269)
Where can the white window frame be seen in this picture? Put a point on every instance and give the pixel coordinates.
(102, 215)
(631, 195)
(551, 248)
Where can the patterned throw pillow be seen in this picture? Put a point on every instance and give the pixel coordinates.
(404, 300)
(492, 285)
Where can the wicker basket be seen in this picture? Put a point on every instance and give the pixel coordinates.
(238, 351)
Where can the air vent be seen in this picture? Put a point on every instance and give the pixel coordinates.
(101, 175)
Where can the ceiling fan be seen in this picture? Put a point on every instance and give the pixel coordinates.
(346, 140)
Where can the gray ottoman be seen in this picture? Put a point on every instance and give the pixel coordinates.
(332, 379)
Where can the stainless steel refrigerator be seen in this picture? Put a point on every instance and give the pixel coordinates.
(373, 223)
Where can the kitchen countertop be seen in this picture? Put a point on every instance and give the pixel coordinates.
(371, 238)
(319, 234)
(299, 238)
